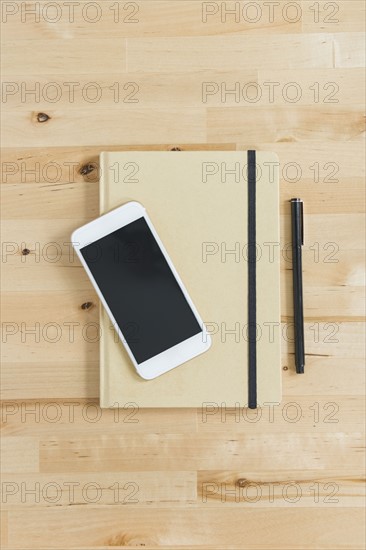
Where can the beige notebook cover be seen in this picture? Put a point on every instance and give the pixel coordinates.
(198, 203)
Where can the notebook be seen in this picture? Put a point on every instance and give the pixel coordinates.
(217, 213)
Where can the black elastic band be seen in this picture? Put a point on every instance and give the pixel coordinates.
(252, 283)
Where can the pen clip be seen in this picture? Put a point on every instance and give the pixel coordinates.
(302, 222)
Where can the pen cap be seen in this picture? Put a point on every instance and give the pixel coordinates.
(297, 219)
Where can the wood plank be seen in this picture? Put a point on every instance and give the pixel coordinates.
(308, 87)
(349, 49)
(143, 19)
(325, 373)
(229, 451)
(327, 338)
(43, 92)
(4, 528)
(331, 302)
(132, 489)
(49, 379)
(335, 228)
(34, 200)
(319, 161)
(18, 56)
(334, 16)
(66, 331)
(115, 92)
(285, 490)
(286, 124)
(217, 528)
(40, 418)
(133, 126)
(226, 53)
(61, 275)
(295, 414)
(19, 455)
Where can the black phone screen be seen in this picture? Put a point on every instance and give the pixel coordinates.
(141, 291)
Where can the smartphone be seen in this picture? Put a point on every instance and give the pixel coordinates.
(141, 290)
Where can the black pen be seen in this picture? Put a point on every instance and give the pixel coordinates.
(297, 223)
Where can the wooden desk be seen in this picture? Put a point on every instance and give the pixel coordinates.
(159, 74)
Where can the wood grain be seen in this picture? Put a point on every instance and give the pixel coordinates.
(194, 75)
(210, 527)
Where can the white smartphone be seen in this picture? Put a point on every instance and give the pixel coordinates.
(141, 291)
